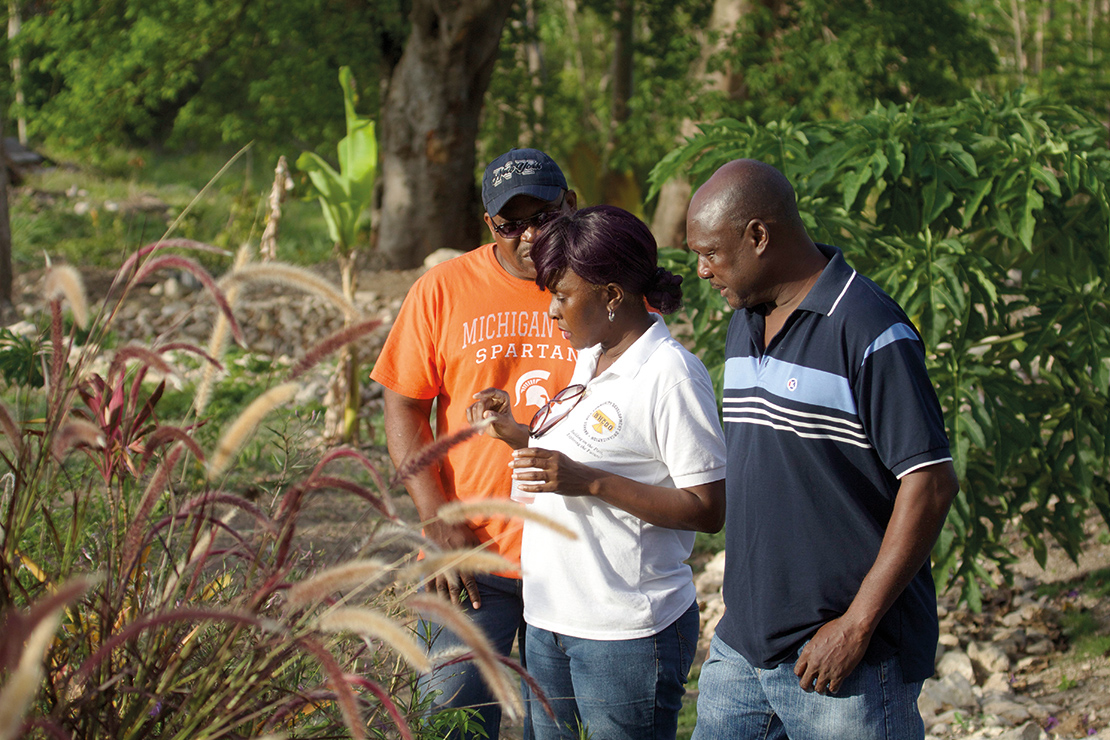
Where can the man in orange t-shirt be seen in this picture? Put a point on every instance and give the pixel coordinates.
(475, 322)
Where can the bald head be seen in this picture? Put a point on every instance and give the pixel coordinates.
(751, 244)
(742, 190)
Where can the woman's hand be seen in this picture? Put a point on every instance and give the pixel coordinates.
(699, 508)
(536, 470)
(493, 407)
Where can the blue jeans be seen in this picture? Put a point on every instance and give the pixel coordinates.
(501, 618)
(737, 701)
(616, 689)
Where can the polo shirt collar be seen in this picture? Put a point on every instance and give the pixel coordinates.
(827, 291)
(636, 356)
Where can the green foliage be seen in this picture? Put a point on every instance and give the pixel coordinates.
(1058, 48)
(95, 216)
(564, 106)
(196, 73)
(988, 222)
(21, 359)
(1067, 684)
(804, 60)
(459, 722)
(1087, 635)
(816, 59)
(344, 195)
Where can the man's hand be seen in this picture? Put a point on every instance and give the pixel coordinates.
(919, 510)
(408, 429)
(494, 407)
(452, 584)
(831, 656)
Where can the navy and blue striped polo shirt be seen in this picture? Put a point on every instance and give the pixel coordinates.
(820, 426)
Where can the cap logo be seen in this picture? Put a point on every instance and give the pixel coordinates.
(519, 167)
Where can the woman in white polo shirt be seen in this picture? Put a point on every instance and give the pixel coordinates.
(630, 457)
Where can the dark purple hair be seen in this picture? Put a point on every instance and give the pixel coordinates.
(602, 245)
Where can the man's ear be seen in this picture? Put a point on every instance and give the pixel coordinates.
(760, 235)
(489, 223)
(572, 200)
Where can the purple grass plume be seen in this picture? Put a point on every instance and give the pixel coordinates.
(424, 457)
(331, 344)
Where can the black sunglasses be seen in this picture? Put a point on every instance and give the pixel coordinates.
(552, 412)
(514, 229)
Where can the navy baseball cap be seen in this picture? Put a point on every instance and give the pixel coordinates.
(521, 172)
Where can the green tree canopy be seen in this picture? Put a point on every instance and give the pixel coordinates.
(198, 72)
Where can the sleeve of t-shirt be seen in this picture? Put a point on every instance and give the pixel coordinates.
(688, 431)
(898, 405)
(409, 361)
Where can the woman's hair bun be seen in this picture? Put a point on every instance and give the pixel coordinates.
(665, 291)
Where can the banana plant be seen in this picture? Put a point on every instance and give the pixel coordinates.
(344, 196)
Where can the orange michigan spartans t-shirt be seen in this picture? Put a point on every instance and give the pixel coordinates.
(467, 325)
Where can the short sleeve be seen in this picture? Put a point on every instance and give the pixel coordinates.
(409, 363)
(898, 406)
(688, 431)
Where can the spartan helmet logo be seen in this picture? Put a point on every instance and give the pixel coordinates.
(530, 388)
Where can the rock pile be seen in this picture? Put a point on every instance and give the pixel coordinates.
(280, 324)
(991, 679)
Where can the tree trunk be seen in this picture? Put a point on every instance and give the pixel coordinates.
(668, 223)
(534, 54)
(1019, 52)
(5, 233)
(15, 22)
(429, 124)
(623, 57)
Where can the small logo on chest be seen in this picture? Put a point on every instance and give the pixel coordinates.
(792, 385)
(603, 423)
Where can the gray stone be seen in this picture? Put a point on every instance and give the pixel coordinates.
(998, 683)
(1010, 639)
(24, 329)
(1028, 731)
(1010, 711)
(710, 579)
(1040, 647)
(171, 289)
(949, 692)
(989, 657)
(956, 662)
(439, 256)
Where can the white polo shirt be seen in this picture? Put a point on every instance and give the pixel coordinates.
(650, 417)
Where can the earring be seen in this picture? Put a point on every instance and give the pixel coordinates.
(612, 316)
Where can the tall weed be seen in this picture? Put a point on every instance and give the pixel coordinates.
(145, 593)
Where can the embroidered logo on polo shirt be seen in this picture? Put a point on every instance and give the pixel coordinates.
(603, 423)
(792, 385)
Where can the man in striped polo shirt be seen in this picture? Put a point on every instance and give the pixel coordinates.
(839, 479)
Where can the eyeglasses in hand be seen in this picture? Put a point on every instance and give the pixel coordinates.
(552, 412)
(514, 229)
